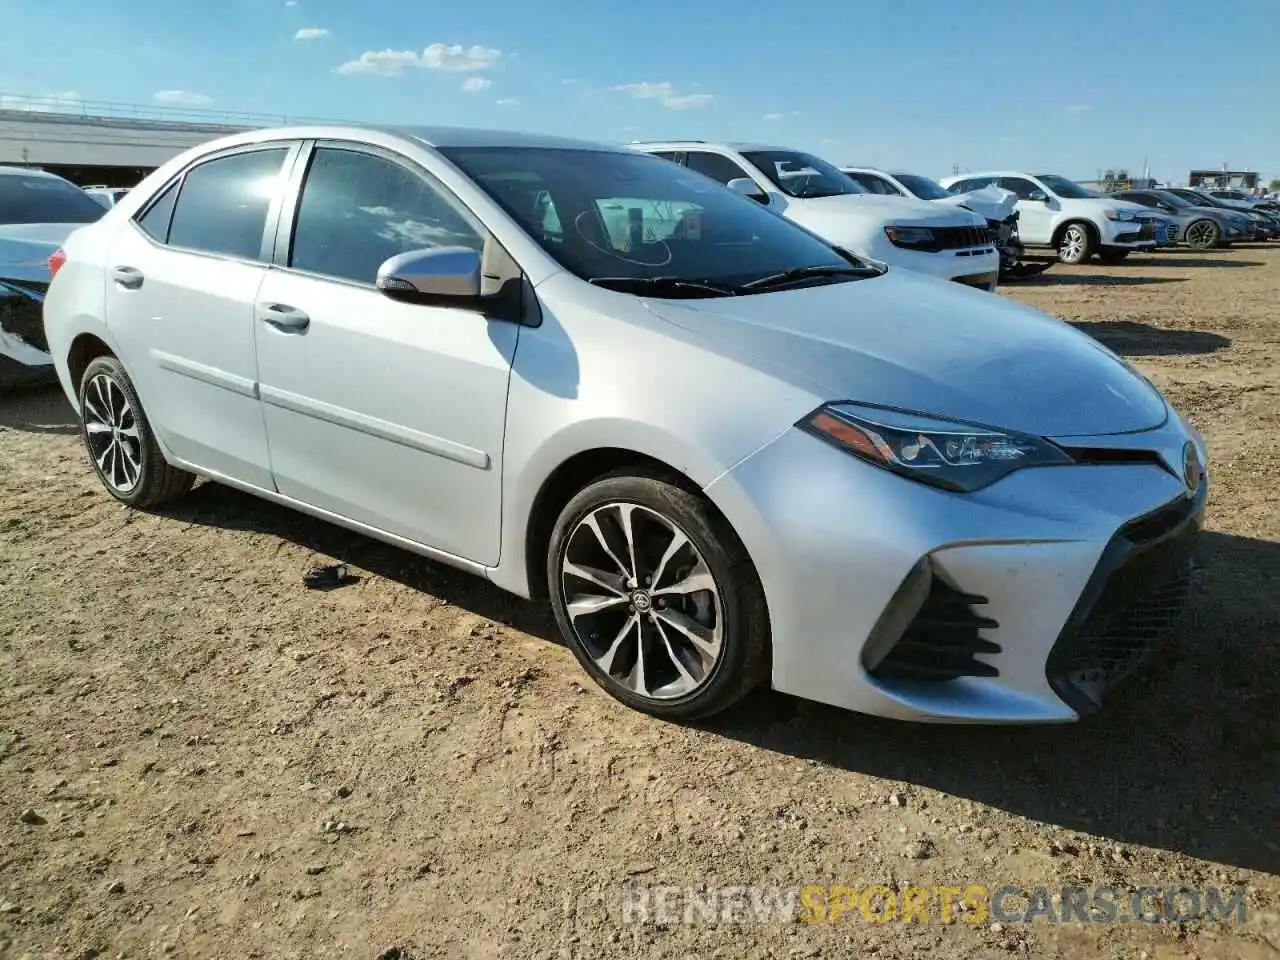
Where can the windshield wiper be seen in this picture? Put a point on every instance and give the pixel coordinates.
(816, 193)
(666, 286)
(776, 281)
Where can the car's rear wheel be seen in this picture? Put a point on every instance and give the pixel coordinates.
(118, 436)
(1076, 244)
(657, 598)
(1202, 235)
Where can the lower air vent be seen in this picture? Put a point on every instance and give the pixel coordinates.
(940, 642)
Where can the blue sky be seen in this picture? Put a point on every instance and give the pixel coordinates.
(916, 84)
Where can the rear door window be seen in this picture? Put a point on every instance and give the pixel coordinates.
(223, 203)
(155, 222)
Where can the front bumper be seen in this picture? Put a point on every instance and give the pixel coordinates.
(1128, 234)
(1025, 571)
(974, 266)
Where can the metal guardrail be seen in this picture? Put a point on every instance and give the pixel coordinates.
(112, 110)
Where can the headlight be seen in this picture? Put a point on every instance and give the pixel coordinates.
(1117, 214)
(946, 453)
(913, 238)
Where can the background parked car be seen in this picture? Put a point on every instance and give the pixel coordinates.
(951, 244)
(1199, 227)
(37, 212)
(1078, 223)
(107, 196)
(996, 205)
(1263, 226)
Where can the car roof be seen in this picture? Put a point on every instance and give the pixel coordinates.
(438, 137)
(993, 173)
(739, 146)
(27, 172)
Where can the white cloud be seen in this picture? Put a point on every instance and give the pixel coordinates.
(43, 103)
(1078, 109)
(181, 98)
(388, 63)
(311, 33)
(689, 102)
(438, 56)
(773, 117)
(507, 102)
(459, 58)
(665, 93)
(476, 84)
(290, 3)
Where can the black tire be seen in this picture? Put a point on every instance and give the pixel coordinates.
(742, 662)
(1113, 256)
(1202, 235)
(156, 481)
(1077, 242)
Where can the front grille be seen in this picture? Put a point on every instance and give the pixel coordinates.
(1132, 603)
(940, 642)
(956, 238)
(1148, 230)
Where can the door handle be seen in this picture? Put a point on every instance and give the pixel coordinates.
(283, 317)
(128, 277)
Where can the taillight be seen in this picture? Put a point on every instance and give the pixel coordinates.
(56, 261)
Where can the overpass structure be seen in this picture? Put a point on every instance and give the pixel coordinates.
(109, 143)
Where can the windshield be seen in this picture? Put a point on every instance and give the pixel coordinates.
(1068, 189)
(1195, 198)
(1171, 198)
(30, 198)
(635, 217)
(801, 175)
(922, 187)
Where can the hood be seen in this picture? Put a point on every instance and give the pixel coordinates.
(991, 202)
(907, 340)
(896, 210)
(1236, 204)
(1110, 203)
(25, 248)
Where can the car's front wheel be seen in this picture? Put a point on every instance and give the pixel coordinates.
(118, 436)
(1076, 243)
(657, 598)
(1202, 235)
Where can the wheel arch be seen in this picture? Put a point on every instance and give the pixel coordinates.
(1088, 224)
(84, 349)
(573, 475)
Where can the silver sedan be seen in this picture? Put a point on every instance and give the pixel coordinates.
(728, 453)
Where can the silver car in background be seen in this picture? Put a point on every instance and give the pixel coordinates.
(38, 210)
(727, 452)
(1199, 227)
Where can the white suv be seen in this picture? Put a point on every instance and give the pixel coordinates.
(951, 244)
(1056, 212)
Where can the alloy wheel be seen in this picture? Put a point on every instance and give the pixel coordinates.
(1202, 234)
(111, 429)
(642, 601)
(1073, 244)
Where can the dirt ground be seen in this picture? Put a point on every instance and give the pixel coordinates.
(201, 758)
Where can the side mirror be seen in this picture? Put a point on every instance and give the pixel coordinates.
(746, 187)
(1039, 196)
(438, 274)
